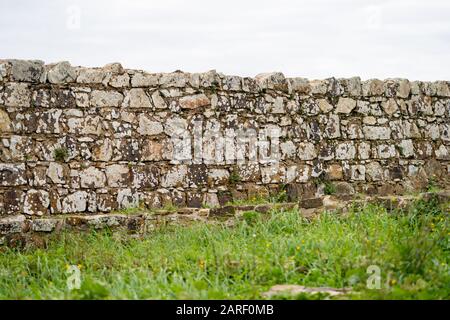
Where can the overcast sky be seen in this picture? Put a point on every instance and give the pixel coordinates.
(313, 39)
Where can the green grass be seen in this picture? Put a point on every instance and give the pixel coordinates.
(211, 261)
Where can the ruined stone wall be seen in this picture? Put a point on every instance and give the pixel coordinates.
(77, 140)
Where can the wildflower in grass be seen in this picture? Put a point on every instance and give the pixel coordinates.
(297, 248)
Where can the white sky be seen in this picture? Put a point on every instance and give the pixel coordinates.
(313, 39)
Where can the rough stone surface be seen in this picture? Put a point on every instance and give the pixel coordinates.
(83, 140)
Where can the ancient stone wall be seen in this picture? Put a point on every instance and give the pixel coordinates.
(81, 140)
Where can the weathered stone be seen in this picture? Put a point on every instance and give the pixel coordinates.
(119, 80)
(274, 80)
(75, 202)
(92, 178)
(374, 171)
(106, 98)
(358, 173)
(12, 174)
(390, 106)
(103, 151)
(406, 148)
(5, 122)
(345, 105)
(175, 177)
(14, 224)
(145, 80)
(310, 203)
(44, 225)
(86, 75)
(27, 70)
(36, 202)
(137, 98)
(17, 95)
(148, 126)
(152, 150)
(345, 151)
(386, 151)
(62, 72)
(55, 172)
(372, 87)
(126, 198)
(158, 100)
(333, 127)
(324, 105)
(377, 133)
(146, 176)
(118, 175)
(306, 151)
(193, 102)
(334, 172)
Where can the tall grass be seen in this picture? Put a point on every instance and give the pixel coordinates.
(211, 261)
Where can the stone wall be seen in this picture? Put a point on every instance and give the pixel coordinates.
(81, 140)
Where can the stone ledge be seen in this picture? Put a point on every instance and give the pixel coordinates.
(115, 76)
(139, 223)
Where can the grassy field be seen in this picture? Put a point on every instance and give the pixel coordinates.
(211, 261)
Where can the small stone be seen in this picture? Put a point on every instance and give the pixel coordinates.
(310, 203)
(62, 72)
(377, 133)
(44, 225)
(193, 102)
(92, 178)
(373, 87)
(36, 202)
(90, 76)
(119, 80)
(145, 80)
(334, 172)
(390, 106)
(386, 151)
(148, 126)
(274, 80)
(106, 98)
(358, 173)
(374, 171)
(55, 172)
(324, 105)
(407, 148)
(138, 99)
(345, 151)
(158, 100)
(175, 177)
(103, 151)
(12, 174)
(345, 105)
(17, 95)
(75, 202)
(442, 153)
(27, 70)
(306, 151)
(14, 224)
(5, 122)
(332, 129)
(127, 198)
(118, 175)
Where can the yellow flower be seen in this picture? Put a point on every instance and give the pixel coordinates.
(80, 266)
(303, 241)
(67, 267)
(297, 248)
(393, 281)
